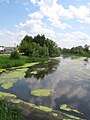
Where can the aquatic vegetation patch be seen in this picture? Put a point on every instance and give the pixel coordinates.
(3, 95)
(46, 109)
(16, 101)
(1, 70)
(34, 72)
(41, 92)
(7, 85)
(27, 65)
(8, 79)
(72, 117)
(55, 114)
(65, 107)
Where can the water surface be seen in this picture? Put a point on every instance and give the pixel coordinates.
(67, 77)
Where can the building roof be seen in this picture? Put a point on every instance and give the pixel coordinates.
(9, 48)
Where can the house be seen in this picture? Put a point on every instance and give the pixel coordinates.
(9, 49)
(2, 49)
(6, 50)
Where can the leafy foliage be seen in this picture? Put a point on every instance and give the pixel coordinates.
(15, 55)
(39, 46)
(79, 50)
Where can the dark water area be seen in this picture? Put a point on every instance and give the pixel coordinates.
(67, 77)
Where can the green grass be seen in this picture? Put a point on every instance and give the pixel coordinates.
(8, 112)
(6, 62)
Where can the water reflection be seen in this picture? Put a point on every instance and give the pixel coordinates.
(68, 78)
(42, 70)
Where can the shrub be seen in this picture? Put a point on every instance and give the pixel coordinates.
(15, 55)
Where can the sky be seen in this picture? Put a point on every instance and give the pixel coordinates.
(67, 22)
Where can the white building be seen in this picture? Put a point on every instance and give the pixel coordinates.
(2, 49)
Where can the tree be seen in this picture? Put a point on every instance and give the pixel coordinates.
(39, 46)
(86, 48)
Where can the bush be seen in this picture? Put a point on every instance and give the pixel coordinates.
(15, 55)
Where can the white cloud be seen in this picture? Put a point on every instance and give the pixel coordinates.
(53, 11)
(34, 1)
(36, 15)
(73, 39)
(35, 27)
(82, 14)
(8, 38)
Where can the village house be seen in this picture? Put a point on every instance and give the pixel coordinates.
(4, 49)
(9, 49)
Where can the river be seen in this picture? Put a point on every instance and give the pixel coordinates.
(67, 77)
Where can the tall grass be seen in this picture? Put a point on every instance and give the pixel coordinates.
(6, 62)
(8, 112)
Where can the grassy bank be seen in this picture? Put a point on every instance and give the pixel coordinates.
(8, 112)
(6, 62)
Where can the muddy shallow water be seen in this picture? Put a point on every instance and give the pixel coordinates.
(67, 77)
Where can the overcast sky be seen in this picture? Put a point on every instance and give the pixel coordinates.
(65, 21)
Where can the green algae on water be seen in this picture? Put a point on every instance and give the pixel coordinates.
(9, 78)
(3, 95)
(64, 107)
(34, 72)
(41, 92)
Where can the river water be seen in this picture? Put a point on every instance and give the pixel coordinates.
(67, 77)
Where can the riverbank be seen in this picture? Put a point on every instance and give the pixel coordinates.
(6, 62)
(8, 112)
(77, 55)
(12, 109)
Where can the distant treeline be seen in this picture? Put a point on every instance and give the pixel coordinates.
(79, 50)
(39, 46)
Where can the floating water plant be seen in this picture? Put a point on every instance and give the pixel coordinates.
(65, 107)
(34, 72)
(41, 92)
(72, 117)
(8, 79)
(3, 95)
(1, 70)
(7, 85)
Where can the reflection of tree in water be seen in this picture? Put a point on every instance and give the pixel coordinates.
(42, 69)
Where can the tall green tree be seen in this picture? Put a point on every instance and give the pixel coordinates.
(39, 46)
